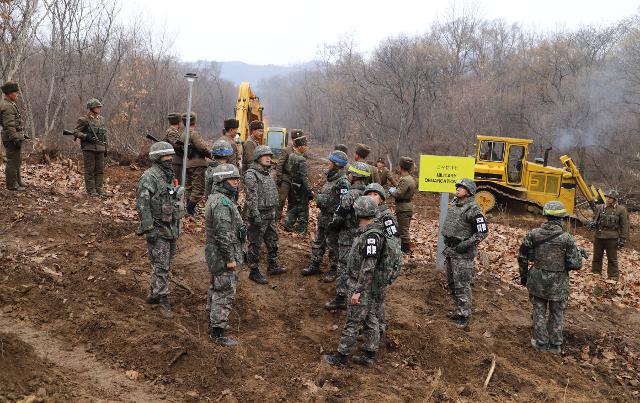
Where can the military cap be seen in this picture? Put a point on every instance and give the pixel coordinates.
(10, 87)
(554, 208)
(93, 103)
(339, 158)
(612, 193)
(159, 149)
(375, 188)
(365, 207)
(192, 118)
(467, 184)
(255, 125)
(295, 133)
(381, 160)
(406, 163)
(359, 170)
(362, 150)
(225, 171)
(261, 151)
(300, 141)
(341, 147)
(174, 118)
(231, 124)
(221, 148)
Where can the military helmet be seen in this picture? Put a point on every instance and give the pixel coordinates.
(365, 207)
(221, 148)
(261, 151)
(612, 193)
(225, 171)
(467, 184)
(359, 170)
(339, 158)
(554, 208)
(160, 149)
(375, 188)
(93, 103)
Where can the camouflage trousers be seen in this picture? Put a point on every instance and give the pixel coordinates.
(283, 194)
(264, 232)
(14, 161)
(343, 276)
(297, 212)
(222, 293)
(459, 276)
(362, 316)
(93, 170)
(194, 186)
(161, 254)
(324, 240)
(548, 331)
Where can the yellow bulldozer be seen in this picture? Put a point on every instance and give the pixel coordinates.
(504, 175)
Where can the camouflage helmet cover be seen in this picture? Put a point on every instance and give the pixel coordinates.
(93, 103)
(221, 148)
(365, 207)
(359, 170)
(225, 171)
(160, 149)
(554, 208)
(612, 193)
(375, 188)
(467, 184)
(260, 151)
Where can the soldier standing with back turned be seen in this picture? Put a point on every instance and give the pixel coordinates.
(13, 135)
(283, 175)
(197, 155)
(300, 190)
(611, 223)
(92, 133)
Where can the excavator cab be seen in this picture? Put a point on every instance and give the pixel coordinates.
(276, 139)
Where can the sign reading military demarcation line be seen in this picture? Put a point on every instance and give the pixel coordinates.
(440, 173)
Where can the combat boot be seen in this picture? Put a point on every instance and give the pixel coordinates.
(18, 189)
(275, 269)
(555, 349)
(331, 275)
(453, 315)
(165, 306)
(339, 302)
(405, 248)
(336, 359)
(191, 208)
(463, 321)
(256, 276)
(152, 299)
(314, 268)
(217, 335)
(367, 358)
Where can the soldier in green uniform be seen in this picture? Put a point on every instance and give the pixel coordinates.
(328, 200)
(611, 224)
(283, 175)
(300, 191)
(256, 129)
(229, 135)
(159, 210)
(13, 135)
(464, 227)
(346, 222)
(197, 156)
(92, 133)
(384, 175)
(361, 154)
(223, 251)
(403, 194)
(220, 152)
(554, 253)
(172, 136)
(342, 147)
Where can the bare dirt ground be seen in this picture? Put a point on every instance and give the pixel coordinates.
(74, 325)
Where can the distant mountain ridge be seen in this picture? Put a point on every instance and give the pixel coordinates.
(238, 72)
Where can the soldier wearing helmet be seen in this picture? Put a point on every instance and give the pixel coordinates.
(553, 253)
(300, 191)
(611, 225)
(172, 136)
(13, 134)
(223, 250)
(346, 223)
(403, 195)
(91, 131)
(221, 152)
(283, 175)
(229, 133)
(260, 211)
(464, 227)
(159, 209)
(328, 199)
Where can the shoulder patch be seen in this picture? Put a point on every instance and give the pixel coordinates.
(371, 247)
(344, 191)
(224, 201)
(481, 224)
(390, 228)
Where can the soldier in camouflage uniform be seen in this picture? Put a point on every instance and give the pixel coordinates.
(361, 154)
(256, 128)
(158, 203)
(223, 251)
(220, 152)
(367, 261)
(464, 227)
(92, 133)
(554, 253)
(260, 211)
(611, 223)
(345, 221)
(229, 135)
(403, 195)
(384, 175)
(283, 175)
(327, 200)
(172, 136)
(197, 155)
(300, 189)
(13, 135)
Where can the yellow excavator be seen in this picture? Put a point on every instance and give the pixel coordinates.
(503, 173)
(248, 109)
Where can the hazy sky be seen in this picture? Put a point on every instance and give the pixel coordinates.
(286, 31)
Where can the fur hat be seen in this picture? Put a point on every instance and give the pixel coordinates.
(174, 118)
(295, 133)
(362, 150)
(341, 147)
(255, 125)
(231, 124)
(406, 163)
(192, 118)
(300, 141)
(9, 87)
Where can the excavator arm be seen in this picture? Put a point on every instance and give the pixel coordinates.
(593, 194)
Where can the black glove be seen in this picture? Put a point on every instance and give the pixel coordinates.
(243, 233)
(335, 225)
(591, 225)
(621, 242)
(523, 280)
(462, 247)
(584, 253)
(152, 236)
(256, 220)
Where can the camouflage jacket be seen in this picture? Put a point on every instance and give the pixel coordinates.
(200, 148)
(404, 194)
(158, 204)
(554, 253)
(233, 158)
(225, 231)
(464, 227)
(612, 222)
(171, 136)
(247, 153)
(11, 121)
(91, 131)
(364, 260)
(261, 191)
(346, 214)
(208, 177)
(283, 174)
(328, 199)
(387, 220)
(299, 173)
